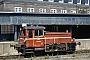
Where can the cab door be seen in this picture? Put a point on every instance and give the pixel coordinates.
(38, 38)
(29, 39)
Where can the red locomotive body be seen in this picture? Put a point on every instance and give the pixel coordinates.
(34, 38)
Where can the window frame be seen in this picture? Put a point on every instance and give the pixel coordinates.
(79, 2)
(70, 1)
(30, 10)
(38, 33)
(73, 11)
(42, 10)
(61, 1)
(63, 11)
(7, 29)
(87, 3)
(17, 9)
(40, 0)
(88, 12)
(51, 0)
(53, 10)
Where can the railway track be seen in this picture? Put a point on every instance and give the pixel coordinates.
(10, 57)
(21, 57)
(82, 51)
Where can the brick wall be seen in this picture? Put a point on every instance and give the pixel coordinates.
(9, 6)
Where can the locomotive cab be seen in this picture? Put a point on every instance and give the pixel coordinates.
(31, 36)
(31, 32)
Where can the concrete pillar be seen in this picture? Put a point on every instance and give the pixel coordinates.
(15, 32)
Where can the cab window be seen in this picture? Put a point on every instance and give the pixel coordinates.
(38, 32)
(30, 33)
(22, 33)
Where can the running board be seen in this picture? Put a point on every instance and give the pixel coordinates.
(29, 52)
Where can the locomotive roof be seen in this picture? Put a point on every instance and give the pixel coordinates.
(34, 27)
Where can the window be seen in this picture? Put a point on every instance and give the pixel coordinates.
(7, 29)
(61, 1)
(22, 32)
(30, 10)
(18, 9)
(70, 1)
(53, 11)
(51, 0)
(72, 11)
(78, 1)
(30, 34)
(88, 12)
(63, 11)
(38, 32)
(86, 2)
(41, 10)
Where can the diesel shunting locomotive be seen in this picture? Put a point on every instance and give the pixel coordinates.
(34, 38)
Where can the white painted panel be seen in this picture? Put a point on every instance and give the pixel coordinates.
(88, 3)
(71, 2)
(40, 0)
(79, 3)
(51, 0)
(61, 1)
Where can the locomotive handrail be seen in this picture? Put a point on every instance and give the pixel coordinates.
(22, 36)
(46, 38)
(54, 41)
(45, 44)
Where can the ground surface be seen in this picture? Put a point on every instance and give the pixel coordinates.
(81, 56)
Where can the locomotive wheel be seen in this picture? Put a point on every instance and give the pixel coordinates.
(23, 49)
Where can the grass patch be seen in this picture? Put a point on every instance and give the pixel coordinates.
(46, 56)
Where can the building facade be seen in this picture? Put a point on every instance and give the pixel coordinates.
(54, 14)
(85, 2)
(44, 6)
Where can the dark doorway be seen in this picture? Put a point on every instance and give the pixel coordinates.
(78, 31)
(81, 31)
